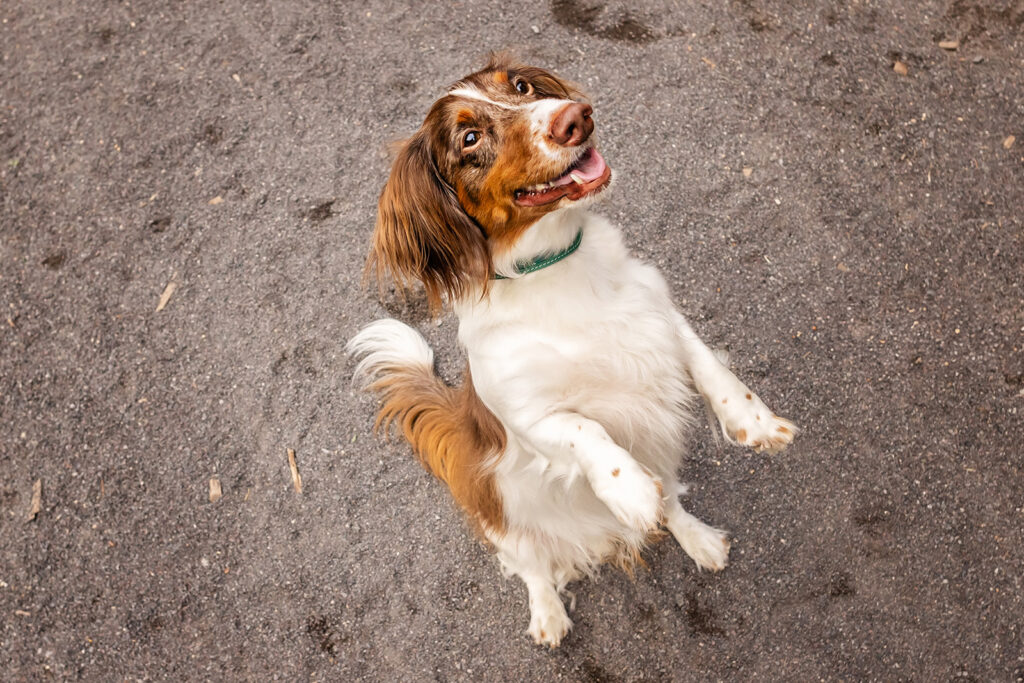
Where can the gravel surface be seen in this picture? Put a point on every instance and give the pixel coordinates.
(832, 195)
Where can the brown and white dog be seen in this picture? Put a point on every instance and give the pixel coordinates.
(562, 446)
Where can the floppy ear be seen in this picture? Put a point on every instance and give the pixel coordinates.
(422, 233)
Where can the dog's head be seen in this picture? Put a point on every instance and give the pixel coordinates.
(504, 147)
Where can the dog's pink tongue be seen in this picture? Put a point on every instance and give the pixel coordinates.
(590, 167)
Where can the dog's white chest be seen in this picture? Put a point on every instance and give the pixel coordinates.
(596, 337)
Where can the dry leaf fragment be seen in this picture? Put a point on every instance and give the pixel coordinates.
(215, 201)
(22, 613)
(900, 68)
(748, 171)
(949, 44)
(1008, 142)
(296, 478)
(842, 267)
(166, 296)
(37, 500)
(215, 492)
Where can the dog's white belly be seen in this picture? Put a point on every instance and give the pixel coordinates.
(615, 361)
(628, 376)
(613, 358)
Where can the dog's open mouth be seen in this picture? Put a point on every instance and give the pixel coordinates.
(588, 175)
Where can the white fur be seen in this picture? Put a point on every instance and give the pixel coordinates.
(385, 344)
(541, 113)
(591, 368)
(474, 94)
(595, 376)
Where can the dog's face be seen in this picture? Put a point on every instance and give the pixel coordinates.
(515, 143)
(505, 146)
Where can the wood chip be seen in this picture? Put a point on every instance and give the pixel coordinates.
(296, 478)
(900, 68)
(216, 200)
(748, 171)
(37, 500)
(166, 296)
(949, 44)
(22, 613)
(708, 62)
(1008, 142)
(215, 492)
(842, 267)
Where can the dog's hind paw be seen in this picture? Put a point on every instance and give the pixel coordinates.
(548, 622)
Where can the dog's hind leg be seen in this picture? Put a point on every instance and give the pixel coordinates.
(549, 622)
(706, 545)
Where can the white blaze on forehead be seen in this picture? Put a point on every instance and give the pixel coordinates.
(539, 113)
(473, 94)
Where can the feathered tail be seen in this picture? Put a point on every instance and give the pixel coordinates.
(452, 432)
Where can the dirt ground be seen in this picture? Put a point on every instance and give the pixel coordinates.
(833, 195)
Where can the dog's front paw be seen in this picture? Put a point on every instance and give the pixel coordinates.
(631, 493)
(746, 420)
(548, 621)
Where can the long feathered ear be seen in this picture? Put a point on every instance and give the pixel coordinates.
(422, 233)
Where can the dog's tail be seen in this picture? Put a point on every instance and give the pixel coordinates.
(454, 435)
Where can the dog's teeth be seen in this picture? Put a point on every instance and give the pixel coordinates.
(576, 179)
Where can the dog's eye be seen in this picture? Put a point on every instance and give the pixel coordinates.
(470, 139)
(523, 87)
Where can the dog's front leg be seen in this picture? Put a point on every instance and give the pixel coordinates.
(629, 489)
(744, 418)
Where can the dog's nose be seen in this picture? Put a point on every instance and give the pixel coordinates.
(572, 125)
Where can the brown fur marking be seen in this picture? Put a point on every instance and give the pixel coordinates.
(515, 166)
(422, 233)
(453, 434)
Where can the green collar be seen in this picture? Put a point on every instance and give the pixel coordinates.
(524, 267)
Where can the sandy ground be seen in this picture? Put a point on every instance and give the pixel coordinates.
(850, 232)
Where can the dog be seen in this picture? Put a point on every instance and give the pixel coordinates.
(563, 442)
